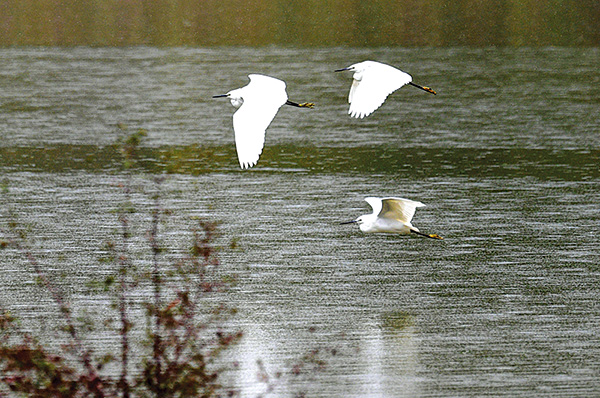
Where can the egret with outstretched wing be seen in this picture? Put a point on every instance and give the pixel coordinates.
(257, 103)
(391, 215)
(372, 83)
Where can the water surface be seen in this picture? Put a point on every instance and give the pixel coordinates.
(505, 157)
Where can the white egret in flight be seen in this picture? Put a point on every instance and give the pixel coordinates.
(258, 103)
(392, 215)
(373, 82)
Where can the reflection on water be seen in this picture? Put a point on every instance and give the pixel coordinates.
(421, 162)
(505, 158)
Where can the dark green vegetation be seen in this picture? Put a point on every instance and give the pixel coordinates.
(305, 23)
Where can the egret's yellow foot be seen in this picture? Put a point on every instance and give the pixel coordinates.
(307, 105)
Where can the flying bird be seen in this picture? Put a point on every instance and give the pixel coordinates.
(257, 103)
(392, 215)
(373, 82)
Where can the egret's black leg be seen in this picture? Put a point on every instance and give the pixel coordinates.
(432, 236)
(302, 105)
(423, 88)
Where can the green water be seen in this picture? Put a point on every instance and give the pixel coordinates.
(505, 157)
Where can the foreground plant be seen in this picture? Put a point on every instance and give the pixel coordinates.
(169, 345)
(182, 355)
(185, 321)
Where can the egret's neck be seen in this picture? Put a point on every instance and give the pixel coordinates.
(368, 222)
(236, 101)
(358, 75)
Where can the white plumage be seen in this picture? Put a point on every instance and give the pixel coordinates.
(257, 103)
(392, 215)
(372, 83)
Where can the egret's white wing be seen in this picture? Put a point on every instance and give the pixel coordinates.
(399, 209)
(378, 81)
(267, 88)
(250, 123)
(355, 84)
(375, 204)
(263, 97)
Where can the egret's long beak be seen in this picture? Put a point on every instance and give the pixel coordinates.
(341, 70)
(220, 96)
(348, 222)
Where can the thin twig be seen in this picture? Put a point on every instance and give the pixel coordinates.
(156, 282)
(123, 264)
(95, 384)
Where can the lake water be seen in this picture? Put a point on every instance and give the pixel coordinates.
(506, 158)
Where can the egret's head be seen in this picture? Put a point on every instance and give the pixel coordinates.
(234, 97)
(351, 68)
(358, 69)
(360, 220)
(345, 69)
